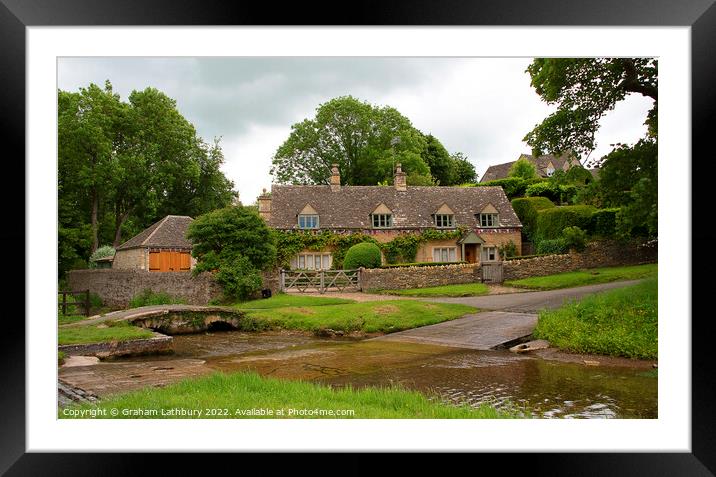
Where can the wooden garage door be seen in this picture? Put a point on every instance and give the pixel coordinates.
(169, 261)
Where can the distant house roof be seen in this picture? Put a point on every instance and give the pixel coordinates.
(350, 207)
(170, 232)
(501, 171)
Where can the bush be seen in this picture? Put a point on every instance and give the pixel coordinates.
(508, 250)
(513, 186)
(149, 297)
(551, 222)
(550, 246)
(565, 193)
(364, 254)
(604, 222)
(574, 238)
(237, 244)
(526, 209)
(103, 251)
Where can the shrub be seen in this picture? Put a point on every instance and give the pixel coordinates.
(553, 191)
(574, 238)
(237, 244)
(508, 250)
(149, 297)
(604, 222)
(103, 251)
(513, 186)
(550, 246)
(364, 254)
(523, 169)
(526, 209)
(551, 222)
(402, 248)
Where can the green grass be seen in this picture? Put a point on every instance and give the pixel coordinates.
(61, 356)
(67, 319)
(466, 289)
(369, 317)
(283, 300)
(114, 331)
(586, 277)
(149, 297)
(249, 391)
(622, 322)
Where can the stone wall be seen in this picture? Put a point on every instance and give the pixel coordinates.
(117, 287)
(597, 254)
(133, 258)
(418, 277)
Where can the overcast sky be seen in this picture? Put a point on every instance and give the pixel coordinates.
(482, 107)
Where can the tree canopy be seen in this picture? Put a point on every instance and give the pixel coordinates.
(123, 165)
(523, 169)
(366, 142)
(584, 89)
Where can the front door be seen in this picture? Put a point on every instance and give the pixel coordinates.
(471, 253)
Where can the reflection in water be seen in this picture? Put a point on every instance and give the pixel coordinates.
(547, 389)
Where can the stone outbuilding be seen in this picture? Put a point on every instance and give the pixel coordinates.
(162, 247)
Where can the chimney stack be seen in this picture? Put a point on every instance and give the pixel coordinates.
(264, 201)
(335, 178)
(399, 179)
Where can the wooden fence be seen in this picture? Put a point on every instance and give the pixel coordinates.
(85, 303)
(320, 280)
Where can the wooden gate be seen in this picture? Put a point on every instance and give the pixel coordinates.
(491, 272)
(320, 280)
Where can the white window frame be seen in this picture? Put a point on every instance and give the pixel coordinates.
(386, 219)
(485, 254)
(439, 253)
(495, 219)
(307, 261)
(442, 218)
(305, 217)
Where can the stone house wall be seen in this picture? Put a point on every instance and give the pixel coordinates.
(130, 259)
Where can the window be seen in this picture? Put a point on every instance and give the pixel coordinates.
(312, 261)
(489, 254)
(444, 220)
(550, 171)
(382, 221)
(488, 220)
(307, 221)
(444, 254)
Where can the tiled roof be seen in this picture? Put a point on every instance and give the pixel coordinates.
(351, 206)
(501, 171)
(170, 232)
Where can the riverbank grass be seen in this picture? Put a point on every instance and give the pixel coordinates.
(369, 317)
(465, 289)
(107, 331)
(248, 395)
(283, 300)
(621, 322)
(589, 276)
(67, 319)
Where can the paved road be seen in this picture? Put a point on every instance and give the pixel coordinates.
(514, 317)
(532, 302)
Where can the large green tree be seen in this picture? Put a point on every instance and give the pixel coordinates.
(366, 142)
(584, 89)
(123, 165)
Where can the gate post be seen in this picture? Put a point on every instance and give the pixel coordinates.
(323, 281)
(281, 280)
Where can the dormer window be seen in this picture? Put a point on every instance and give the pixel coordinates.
(444, 220)
(306, 221)
(382, 221)
(488, 220)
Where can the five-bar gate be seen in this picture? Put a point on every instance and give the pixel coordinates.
(320, 280)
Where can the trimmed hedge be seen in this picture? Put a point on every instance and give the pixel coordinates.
(555, 192)
(363, 254)
(552, 246)
(422, 264)
(527, 208)
(551, 222)
(604, 223)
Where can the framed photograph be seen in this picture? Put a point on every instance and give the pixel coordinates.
(433, 231)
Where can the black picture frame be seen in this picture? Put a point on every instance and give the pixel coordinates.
(700, 15)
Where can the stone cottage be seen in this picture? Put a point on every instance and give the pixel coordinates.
(161, 247)
(545, 166)
(384, 212)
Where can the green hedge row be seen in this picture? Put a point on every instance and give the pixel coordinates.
(527, 209)
(551, 222)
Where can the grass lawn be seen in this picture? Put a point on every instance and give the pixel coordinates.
(465, 289)
(235, 394)
(586, 277)
(112, 331)
(282, 300)
(370, 317)
(622, 322)
(67, 319)
(61, 356)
